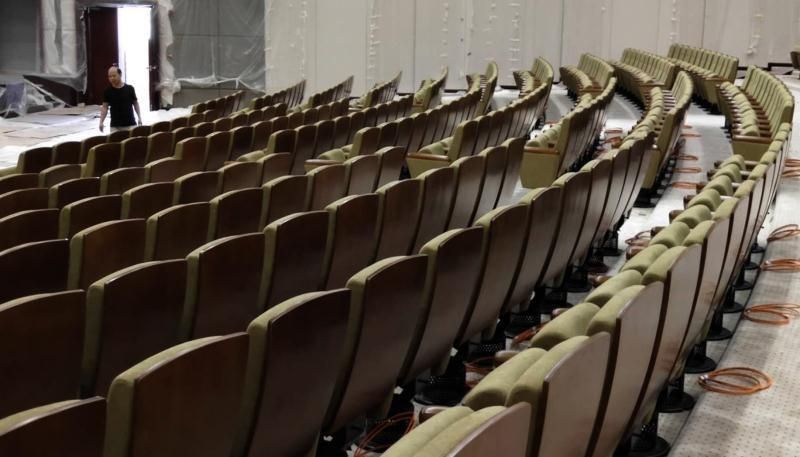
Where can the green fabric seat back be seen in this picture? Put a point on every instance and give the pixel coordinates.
(495, 387)
(611, 287)
(570, 323)
(709, 198)
(412, 443)
(659, 269)
(694, 215)
(722, 184)
(641, 261)
(671, 235)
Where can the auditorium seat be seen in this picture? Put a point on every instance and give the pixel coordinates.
(174, 232)
(104, 248)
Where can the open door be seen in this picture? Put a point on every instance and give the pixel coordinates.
(102, 49)
(155, 76)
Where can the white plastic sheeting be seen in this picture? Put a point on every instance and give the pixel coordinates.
(203, 43)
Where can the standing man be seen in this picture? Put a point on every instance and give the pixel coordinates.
(122, 100)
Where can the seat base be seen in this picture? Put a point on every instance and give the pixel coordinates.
(677, 401)
(732, 307)
(520, 322)
(654, 447)
(698, 362)
(719, 334)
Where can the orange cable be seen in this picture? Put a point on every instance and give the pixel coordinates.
(688, 157)
(639, 239)
(781, 265)
(688, 170)
(688, 185)
(784, 312)
(784, 232)
(754, 381)
(360, 448)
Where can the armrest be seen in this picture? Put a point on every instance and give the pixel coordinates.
(653, 84)
(717, 79)
(538, 150)
(433, 157)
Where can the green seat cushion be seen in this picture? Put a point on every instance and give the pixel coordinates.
(660, 268)
(442, 444)
(496, 386)
(411, 444)
(745, 189)
(641, 261)
(698, 234)
(671, 235)
(572, 322)
(608, 289)
(606, 319)
(694, 215)
(338, 155)
(709, 198)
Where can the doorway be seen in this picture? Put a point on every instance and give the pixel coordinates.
(125, 35)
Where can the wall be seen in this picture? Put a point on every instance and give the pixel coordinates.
(18, 39)
(327, 40)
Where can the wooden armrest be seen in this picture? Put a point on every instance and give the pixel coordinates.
(434, 157)
(653, 84)
(538, 150)
(717, 79)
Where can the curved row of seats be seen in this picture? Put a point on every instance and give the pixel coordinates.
(380, 93)
(339, 92)
(589, 393)
(484, 83)
(708, 68)
(528, 80)
(474, 135)
(666, 115)
(382, 290)
(638, 71)
(291, 96)
(224, 105)
(565, 144)
(591, 76)
(755, 111)
(429, 93)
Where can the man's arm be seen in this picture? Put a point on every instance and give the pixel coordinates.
(103, 113)
(138, 112)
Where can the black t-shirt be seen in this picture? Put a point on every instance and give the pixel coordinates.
(121, 103)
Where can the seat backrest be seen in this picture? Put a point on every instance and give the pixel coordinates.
(392, 160)
(351, 237)
(274, 166)
(200, 186)
(327, 185)
(436, 201)
(398, 213)
(504, 232)
(454, 265)
(35, 160)
(121, 180)
(304, 147)
(89, 143)
(174, 232)
(72, 428)
(66, 152)
(494, 169)
(568, 392)
(595, 206)
(66, 192)
(241, 141)
(201, 416)
(193, 152)
(235, 213)
(145, 200)
(131, 314)
(469, 180)
(385, 306)
(103, 249)
(19, 181)
(88, 212)
(28, 226)
(240, 175)
(514, 150)
(294, 255)
(575, 194)
(678, 269)
(34, 268)
(284, 196)
(222, 285)
(544, 212)
(133, 152)
(218, 150)
(362, 173)
(270, 425)
(43, 372)
(631, 318)
(23, 199)
(159, 146)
